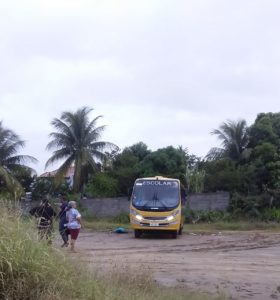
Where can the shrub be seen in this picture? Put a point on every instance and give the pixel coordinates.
(101, 185)
(271, 215)
(122, 218)
(254, 207)
(211, 216)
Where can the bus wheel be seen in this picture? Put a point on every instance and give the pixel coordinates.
(137, 233)
(174, 234)
(180, 230)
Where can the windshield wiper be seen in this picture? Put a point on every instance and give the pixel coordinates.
(155, 198)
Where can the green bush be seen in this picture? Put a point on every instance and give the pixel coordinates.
(254, 207)
(122, 218)
(101, 185)
(211, 216)
(271, 215)
(46, 186)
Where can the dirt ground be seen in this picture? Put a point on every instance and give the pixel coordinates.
(241, 265)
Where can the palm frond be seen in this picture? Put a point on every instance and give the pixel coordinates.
(234, 137)
(11, 182)
(215, 153)
(20, 159)
(10, 162)
(58, 155)
(62, 170)
(59, 141)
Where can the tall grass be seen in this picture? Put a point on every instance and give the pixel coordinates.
(32, 270)
(29, 268)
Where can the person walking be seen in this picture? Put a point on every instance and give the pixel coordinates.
(74, 223)
(63, 230)
(44, 214)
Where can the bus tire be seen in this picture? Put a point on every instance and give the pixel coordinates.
(137, 233)
(174, 234)
(180, 230)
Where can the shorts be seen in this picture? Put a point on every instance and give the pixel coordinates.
(74, 233)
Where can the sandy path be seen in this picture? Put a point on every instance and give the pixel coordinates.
(242, 265)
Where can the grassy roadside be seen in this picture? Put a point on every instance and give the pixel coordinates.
(32, 270)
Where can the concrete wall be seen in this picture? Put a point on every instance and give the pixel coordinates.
(113, 206)
(106, 207)
(103, 207)
(208, 201)
(109, 207)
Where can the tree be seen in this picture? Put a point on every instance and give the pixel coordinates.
(195, 180)
(109, 158)
(266, 128)
(235, 140)
(125, 169)
(102, 185)
(224, 175)
(12, 164)
(169, 161)
(120, 169)
(194, 175)
(265, 158)
(139, 150)
(77, 141)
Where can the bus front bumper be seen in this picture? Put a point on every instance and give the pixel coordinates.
(155, 224)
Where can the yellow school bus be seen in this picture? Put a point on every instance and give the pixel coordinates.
(157, 203)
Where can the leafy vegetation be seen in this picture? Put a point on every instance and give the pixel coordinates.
(12, 165)
(101, 185)
(42, 186)
(235, 139)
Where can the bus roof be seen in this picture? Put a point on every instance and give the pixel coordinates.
(157, 178)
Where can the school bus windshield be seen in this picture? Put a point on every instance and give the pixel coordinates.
(155, 194)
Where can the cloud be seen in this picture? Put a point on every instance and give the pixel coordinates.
(162, 72)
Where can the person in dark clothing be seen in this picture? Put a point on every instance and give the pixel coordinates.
(44, 214)
(63, 230)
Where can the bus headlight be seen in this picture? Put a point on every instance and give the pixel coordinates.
(139, 217)
(170, 218)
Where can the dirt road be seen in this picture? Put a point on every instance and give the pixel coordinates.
(242, 265)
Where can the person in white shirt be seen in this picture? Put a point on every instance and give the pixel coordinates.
(74, 223)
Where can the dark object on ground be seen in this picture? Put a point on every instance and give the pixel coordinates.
(120, 230)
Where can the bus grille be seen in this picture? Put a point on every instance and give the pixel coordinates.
(159, 225)
(155, 218)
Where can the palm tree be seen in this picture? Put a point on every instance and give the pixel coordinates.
(235, 140)
(76, 141)
(11, 163)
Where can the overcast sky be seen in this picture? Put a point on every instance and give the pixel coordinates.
(161, 72)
